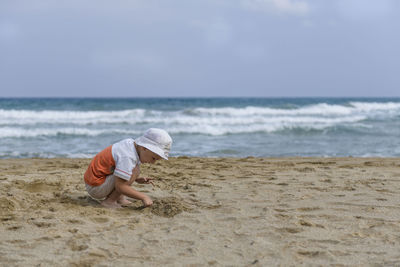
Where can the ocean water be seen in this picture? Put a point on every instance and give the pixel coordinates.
(206, 127)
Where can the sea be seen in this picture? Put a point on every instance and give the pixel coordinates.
(203, 127)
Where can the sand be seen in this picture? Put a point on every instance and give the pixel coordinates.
(206, 212)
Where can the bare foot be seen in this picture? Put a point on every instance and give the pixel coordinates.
(110, 204)
(123, 201)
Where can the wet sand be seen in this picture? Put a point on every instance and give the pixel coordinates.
(221, 212)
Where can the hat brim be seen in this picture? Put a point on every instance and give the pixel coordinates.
(154, 149)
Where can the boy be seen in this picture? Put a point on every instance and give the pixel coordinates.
(113, 170)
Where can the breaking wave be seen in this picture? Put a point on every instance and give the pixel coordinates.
(208, 121)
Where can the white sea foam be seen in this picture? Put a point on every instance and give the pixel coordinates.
(17, 132)
(29, 117)
(319, 109)
(133, 116)
(185, 126)
(374, 106)
(209, 121)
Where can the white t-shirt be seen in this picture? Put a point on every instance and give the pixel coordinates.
(126, 158)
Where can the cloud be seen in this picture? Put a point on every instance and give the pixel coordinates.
(294, 7)
(366, 10)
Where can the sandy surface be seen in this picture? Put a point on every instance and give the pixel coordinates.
(221, 212)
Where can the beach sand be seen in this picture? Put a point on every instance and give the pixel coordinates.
(207, 211)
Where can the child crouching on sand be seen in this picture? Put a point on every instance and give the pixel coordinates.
(112, 171)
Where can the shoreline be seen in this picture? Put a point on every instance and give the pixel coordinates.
(207, 211)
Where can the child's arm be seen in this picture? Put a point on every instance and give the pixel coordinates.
(144, 180)
(123, 187)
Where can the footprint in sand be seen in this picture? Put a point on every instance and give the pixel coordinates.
(7, 208)
(42, 224)
(305, 223)
(75, 221)
(99, 252)
(100, 219)
(305, 169)
(76, 245)
(40, 186)
(6, 205)
(309, 224)
(283, 184)
(14, 227)
(308, 209)
(290, 230)
(311, 253)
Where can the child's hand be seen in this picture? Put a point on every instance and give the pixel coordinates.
(136, 171)
(147, 201)
(143, 180)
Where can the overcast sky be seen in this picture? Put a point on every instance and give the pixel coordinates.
(267, 48)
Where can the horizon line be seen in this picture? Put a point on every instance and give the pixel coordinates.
(183, 97)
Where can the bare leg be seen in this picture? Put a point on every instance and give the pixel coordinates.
(122, 199)
(111, 200)
(115, 199)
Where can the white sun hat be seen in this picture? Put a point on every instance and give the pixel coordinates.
(157, 141)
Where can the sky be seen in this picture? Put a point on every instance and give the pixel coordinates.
(203, 48)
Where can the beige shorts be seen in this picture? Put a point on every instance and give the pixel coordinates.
(102, 191)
